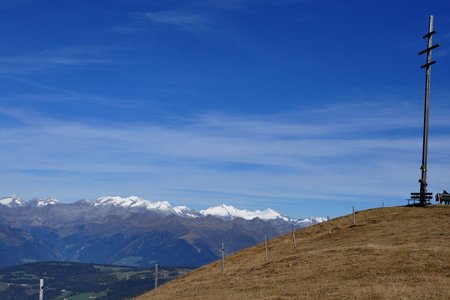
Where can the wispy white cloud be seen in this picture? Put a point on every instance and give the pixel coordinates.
(197, 15)
(281, 157)
(195, 22)
(47, 94)
(58, 58)
(176, 18)
(192, 21)
(240, 4)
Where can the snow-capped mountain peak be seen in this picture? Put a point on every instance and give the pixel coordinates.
(86, 202)
(136, 202)
(43, 202)
(226, 212)
(164, 207)
(311, 220)
(184, 211)
(12, 201)
(230, 212)
(131, 201)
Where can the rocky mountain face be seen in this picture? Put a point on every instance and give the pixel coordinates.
(129, 231)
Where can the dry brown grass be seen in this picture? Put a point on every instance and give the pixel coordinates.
(391, 253)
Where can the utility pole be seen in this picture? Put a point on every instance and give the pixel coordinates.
(156, 277)
(329, 226)
(354, 215)
(293, 236)
(41, 289)
(223, 258)
(267, 251)
(428, 50)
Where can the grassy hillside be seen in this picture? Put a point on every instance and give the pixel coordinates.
(394, 253)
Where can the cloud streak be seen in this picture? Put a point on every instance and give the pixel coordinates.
(189, 21)
(175, 18)
(278, 157)
(56, 59)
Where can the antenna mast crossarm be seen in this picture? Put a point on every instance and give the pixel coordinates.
(429, 63)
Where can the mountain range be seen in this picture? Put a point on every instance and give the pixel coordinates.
(130, 231)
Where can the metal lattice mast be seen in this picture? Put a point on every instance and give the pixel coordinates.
(428, 50)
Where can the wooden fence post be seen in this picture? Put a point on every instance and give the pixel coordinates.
(293, 236)
(156, 277)
(354, 216)
(223, 258)
(267, 251)
(329, 226)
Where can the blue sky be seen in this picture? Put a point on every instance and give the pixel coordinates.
(307, 107)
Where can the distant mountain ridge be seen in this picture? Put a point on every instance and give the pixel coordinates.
(163, 207)
(130, 231)
(12, 201)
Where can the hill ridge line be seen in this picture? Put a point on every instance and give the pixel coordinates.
(398, 252)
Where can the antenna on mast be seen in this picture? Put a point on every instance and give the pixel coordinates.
(424, 196)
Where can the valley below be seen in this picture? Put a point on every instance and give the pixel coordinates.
(77, 281)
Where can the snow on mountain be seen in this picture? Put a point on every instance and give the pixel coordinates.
(12, 201)
(230, 212)
(310, 221)
(223, 211)
(136, 202)
(184, 211)
(86, 202)
(163, 207)
(43, 202)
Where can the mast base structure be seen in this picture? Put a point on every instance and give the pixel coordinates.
(424, 196)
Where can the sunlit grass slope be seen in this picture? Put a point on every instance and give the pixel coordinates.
(393, 253)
